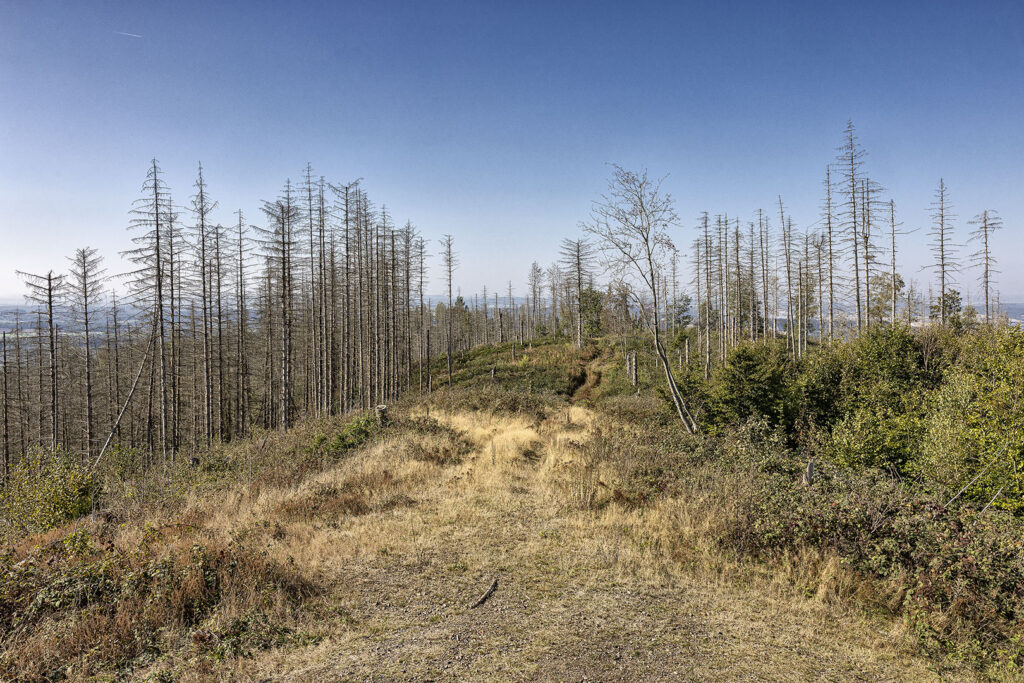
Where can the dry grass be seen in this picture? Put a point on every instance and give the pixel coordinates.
(401, 537)
(590, 584)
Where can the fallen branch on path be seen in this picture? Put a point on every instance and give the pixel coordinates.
(485, 596)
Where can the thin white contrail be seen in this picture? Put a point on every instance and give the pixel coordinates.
(130, 35)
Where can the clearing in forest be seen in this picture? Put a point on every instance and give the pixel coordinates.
(583, 591)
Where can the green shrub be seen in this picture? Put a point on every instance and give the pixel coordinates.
(354, 434)
(45, 489)
(820, 385)
(755, 382)
(869, 394)
(976, 424)
(879, 433)
(955, 575)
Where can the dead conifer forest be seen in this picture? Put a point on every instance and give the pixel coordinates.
(745, 405)
(231, 375)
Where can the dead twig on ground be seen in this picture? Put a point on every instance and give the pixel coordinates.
(487, 595)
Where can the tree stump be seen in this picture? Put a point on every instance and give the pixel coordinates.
(808, 476)
(382, 414)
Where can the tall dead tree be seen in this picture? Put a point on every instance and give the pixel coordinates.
(7, 408)
(449, 261)
(892, 265)
(706, 240)
(202, 241)
(942, 246)
(870, 206)
(764, 243)
(787, 250)
(830, 249)
(535, 283)
(752, 283)
(279, 244)
(849, 163)
(985, 223)
(151, 214)
(241, 327)
(84, 292)
(46, 291)
(576, 259)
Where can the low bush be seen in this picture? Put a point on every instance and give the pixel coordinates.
(72, 609)
(352, 435)
(756, 381)
(437, 443)
(975, 425)
(956, 576)
(44, 490)
(491, 398)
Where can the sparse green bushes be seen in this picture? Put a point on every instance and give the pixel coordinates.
(437, 443)
(897, 423)
(45, 490)
(975, 424)
(491, 398)
(351, 435)
(954, 574)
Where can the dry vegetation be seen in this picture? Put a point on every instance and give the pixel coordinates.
(355, 552)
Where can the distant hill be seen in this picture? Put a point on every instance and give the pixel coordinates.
(1015, 311)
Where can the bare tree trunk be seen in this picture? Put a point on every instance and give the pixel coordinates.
(7, 403)
(831, 254)
(892, 274)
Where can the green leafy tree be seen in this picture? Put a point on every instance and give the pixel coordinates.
(950, 308)
(679, 311)
(880, 305)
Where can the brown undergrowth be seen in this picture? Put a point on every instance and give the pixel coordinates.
(360, 559)
(217, 577)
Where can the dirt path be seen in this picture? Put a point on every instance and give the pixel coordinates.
(575, 601)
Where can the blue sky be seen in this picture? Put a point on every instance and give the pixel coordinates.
(496, 121)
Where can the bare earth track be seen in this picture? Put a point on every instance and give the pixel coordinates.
(578, 596)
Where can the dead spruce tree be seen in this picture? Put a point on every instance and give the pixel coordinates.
(631, 223)
(943, 248)
(202, 242)
(449, 261)
(829, 219)
(151, 217)
(279, 244)
(46, 291)
(985, 223)
(849, 162)
(6, 409)
(84, 294)
(576, 259)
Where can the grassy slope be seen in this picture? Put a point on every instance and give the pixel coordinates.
(337, 560)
